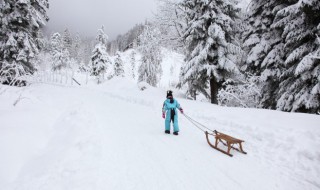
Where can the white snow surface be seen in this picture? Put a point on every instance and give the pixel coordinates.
(111, 136)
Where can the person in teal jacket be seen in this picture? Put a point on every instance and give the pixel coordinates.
(169, 113)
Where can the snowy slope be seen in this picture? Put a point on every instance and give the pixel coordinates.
(111, 136)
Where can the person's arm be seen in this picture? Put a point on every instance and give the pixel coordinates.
(164, 108)
(179, 107)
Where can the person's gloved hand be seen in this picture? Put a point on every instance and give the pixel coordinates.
(163, 115)
(181, 110)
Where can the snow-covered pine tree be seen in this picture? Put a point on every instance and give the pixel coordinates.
(59, 55)
(76, 52)
(88, 45)
(67, 41)
(20, 25)
(150, 69)
(118, 65)
(211, 45)
(46, 44)
(133, 63)
(299, 88)
(264, 46)
(100, 59)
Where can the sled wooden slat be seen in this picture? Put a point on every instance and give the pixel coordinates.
(226, 140)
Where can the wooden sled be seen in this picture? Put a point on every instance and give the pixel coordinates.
(226, 140)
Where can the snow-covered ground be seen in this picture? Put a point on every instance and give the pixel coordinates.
(111, 136)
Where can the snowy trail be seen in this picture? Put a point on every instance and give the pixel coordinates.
(112, 138)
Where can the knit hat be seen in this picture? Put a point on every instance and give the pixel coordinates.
(169, 93)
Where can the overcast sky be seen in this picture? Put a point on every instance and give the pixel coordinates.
(86, 16)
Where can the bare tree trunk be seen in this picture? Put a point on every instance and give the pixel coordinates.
(214, 90)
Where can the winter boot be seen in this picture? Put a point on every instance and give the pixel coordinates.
(167, 131)
(175, 133)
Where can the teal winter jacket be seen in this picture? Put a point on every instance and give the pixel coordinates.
(170, 109)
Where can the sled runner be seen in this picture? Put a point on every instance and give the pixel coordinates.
(225, 140)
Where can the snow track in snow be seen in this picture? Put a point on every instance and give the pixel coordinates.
(112, 137)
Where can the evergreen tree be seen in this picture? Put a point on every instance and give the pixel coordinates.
(118, 65)
(211, 45)
(133, 63)
(59, 55)
(76, 52)
(299, 87)
(21, 22)
(100, 58)
(150, 69)
(87, 47)
(264, 46)
(67, 41)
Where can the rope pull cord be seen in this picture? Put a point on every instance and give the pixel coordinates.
(215, 132)
(198, 125)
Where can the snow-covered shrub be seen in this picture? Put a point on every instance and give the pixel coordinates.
(12, 74)
(240, 93)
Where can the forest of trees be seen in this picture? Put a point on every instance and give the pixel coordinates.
(266, 56)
